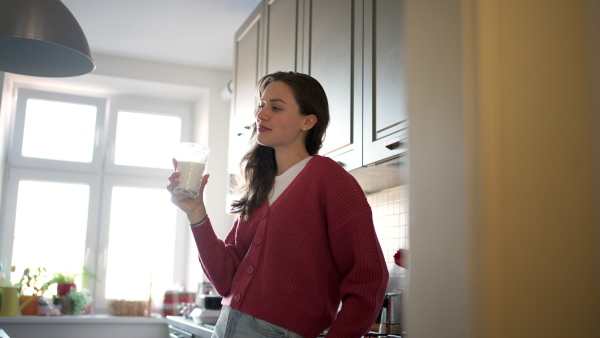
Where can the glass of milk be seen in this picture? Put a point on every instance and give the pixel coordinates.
(191, 162)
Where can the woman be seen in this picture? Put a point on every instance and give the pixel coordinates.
(304, 240)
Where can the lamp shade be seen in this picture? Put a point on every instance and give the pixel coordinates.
(42, 38)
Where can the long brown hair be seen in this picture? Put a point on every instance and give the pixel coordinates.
(258, 166)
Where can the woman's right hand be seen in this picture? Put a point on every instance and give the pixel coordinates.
(192, 206)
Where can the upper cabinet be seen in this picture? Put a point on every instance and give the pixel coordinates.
(247, 62)
(353, 48)
(283, 38)
(333, 30)
(384, 105)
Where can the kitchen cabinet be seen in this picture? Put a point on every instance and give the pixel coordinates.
(181, 327)
(175, 332)
(354, 49)
(283, 38)
(335, 40)
(247, 69)
(384, 110)
(267, 41)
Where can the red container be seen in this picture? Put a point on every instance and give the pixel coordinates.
(64, 288)
(176, 298)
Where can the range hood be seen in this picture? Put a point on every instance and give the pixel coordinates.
(383, 175)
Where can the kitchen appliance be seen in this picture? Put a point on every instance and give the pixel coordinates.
(391, 313)
(382, 175)
(390, 318)
(209, 310)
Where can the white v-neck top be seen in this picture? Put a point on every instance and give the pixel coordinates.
(283, 181)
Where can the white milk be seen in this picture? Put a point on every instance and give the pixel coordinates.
(190, 178)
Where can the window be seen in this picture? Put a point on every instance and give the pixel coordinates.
(48, 241)
(46, 136)
(146, 150)
(86, 188)
(143, 235)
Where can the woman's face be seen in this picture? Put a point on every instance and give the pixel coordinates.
(279, 121)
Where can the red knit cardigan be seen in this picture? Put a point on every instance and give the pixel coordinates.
(293, 262)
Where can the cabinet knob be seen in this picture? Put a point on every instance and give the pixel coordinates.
(393, 143)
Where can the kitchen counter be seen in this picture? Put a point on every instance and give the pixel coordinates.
(89, 326)
(188, 325)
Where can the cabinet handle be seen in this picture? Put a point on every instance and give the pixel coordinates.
(393, 144)
(341, 163)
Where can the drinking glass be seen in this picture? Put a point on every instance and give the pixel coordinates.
(191, 162)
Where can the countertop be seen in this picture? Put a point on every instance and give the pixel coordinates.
(81, 319)
(199, 330)
(88, 326)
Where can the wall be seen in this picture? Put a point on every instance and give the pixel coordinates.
(593, 23)
(390, 216)
(534, 74)
(436, 301)
(5, 106)
(504, 233)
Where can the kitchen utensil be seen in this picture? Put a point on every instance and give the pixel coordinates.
(212, 302)
(391, 313)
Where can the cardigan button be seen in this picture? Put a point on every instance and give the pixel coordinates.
(249, 269)
(237, 297)
(265, 214)
(258, 240)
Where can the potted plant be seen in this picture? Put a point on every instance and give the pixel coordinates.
(77, 302)
(31, 288)
(43, 307)
(65, 283)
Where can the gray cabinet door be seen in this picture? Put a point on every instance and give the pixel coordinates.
(283, 36)
(335, 36)
(385, 116)
(248, 60)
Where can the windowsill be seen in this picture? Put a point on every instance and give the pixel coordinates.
(83, 319)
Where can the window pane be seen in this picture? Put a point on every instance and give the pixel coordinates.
(50, 227)
(141, 243)
(146, 140)
(59, 131)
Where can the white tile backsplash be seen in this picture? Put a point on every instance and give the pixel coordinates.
(390, 216)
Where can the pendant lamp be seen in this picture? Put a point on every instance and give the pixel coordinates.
(42, 38)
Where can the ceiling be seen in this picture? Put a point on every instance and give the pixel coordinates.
(198, 33)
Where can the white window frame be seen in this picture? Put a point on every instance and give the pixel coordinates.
(147, 106)
(100, 174)
(15, 156)
(110, 181)
(16, 175)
